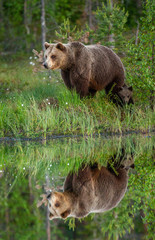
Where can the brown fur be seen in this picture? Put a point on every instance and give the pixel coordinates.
(91, 190)
(125, 95)
(87, 69)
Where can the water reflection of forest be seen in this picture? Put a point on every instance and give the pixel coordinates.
(27, 170)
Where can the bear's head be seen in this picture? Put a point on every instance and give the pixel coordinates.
(125, 93)
(59, 205)
(55, 56)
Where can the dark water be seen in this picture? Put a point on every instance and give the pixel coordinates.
(111, 176)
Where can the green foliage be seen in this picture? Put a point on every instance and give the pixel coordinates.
(67, 33)
(20, 20)
(111, 24)
(140, 61)
(141, 186)
(20, 24)
(69, 9)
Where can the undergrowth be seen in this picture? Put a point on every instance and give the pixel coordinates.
(37, 103)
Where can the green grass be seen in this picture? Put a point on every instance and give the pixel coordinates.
(39, 104)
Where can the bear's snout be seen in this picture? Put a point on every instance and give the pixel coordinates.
(45, 65)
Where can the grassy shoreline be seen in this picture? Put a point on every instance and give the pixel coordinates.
(34, 104)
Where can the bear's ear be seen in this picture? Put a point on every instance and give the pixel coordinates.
(65, 214)
(130, 88)
(46, 44)
(60, 46)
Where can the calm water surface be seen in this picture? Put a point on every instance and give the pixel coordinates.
(109, 179)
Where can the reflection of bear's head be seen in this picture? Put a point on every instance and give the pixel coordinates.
(91, 190)
(55, 56)
(59, 205)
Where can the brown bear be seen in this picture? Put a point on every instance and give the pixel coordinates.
(87, 69)
(91, 190)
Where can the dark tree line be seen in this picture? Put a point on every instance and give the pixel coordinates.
(23, 21)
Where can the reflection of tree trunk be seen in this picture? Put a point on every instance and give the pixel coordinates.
(137, 32)
(30, 190)
(7, 222)
(144, 224)
(7, 218)
(152, 98)
(139, 5)
(48, 229)
(116, 235)
(43, 25)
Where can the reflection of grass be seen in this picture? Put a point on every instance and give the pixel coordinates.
(37, 104)
(28, 164)
(61, 156)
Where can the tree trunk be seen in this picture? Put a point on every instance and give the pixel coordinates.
(2, 27)
(90, 12)
(111, 36)
(25, 18)
(43, 25)
(1, 11)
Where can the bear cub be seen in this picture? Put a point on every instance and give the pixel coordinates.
(125, 95)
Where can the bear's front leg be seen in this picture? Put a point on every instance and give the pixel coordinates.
(82, 89)
(80, 83)
(66, 77)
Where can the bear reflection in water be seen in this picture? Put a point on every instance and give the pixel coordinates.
(92, 189)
